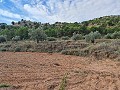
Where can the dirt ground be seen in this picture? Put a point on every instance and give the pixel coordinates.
(44, 71)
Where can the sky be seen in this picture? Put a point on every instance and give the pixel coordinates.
(56, 10)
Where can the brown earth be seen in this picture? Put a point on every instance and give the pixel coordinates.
(44, 71)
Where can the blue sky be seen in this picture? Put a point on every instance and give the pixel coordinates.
(56, 10)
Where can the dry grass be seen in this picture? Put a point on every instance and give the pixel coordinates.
(103, 48)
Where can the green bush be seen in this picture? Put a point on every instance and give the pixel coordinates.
(2, 39)
(3, 49)
(97, 35)
(38, 34)
(4, 85)
(51, 39)
(76, 36)
(17, 49)
(16, 38)
(108, 36)
(87, 38)
(65, 38)
(116, 35)
(92, 36)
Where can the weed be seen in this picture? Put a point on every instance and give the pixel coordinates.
(4, 85)
(63, 83)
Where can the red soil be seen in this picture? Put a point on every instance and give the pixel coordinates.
(44, 71)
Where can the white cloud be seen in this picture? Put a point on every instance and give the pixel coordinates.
(13, 16)
(72, 10)
(6, 20)
(64, 10)
(9, 14)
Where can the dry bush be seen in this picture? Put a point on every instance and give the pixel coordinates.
(99, 51)
(76, 52)
(106, 49)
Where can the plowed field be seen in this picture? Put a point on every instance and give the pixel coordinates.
(44, 71)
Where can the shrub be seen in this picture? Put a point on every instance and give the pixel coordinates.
(108, 36)
(2, 39)
(76, 52)
(87, 38)
(3, 49)
(4, 85)
(76, 36)
(16, 38)
(17, 49)
(38, 34)
(31, 50)
(116, 35)
(92, 36)
(65, 38)
(97, 35)
(51, 39)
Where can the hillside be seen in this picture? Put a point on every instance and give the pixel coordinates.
(104, 25)
(106, 21)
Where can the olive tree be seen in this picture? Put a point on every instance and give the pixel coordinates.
(37, 34)
(76, 36)
(92, 36)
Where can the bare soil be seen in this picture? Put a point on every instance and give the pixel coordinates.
(44, 71)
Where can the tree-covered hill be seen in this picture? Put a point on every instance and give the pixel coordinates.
(104, 25)
(106, 21)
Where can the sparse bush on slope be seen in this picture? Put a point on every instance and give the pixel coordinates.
(16, 38)
(92, 36)
(99, 50)
(51, 39)
(2, 39)
(76, 36)
(38, 34)
(116, 35)
(108, 36)
(65, 38)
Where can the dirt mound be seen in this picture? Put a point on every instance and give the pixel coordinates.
(43, 71)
